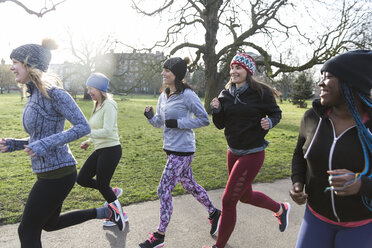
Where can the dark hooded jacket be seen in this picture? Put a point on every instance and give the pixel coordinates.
(319, 150)
(242, 119)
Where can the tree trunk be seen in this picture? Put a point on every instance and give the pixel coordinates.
(211, 75)
(212, 88)
(86, 95)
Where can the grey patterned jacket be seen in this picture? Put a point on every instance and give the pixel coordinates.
(44, 121)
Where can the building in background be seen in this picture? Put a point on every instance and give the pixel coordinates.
(132, 72)
(129, 72)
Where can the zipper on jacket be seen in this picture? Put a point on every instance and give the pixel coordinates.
(312, 141)
(335, 139)
(329, 160)
(330, 168)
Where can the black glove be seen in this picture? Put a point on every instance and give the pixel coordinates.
(215, 110)
(149, 114)
(171, 123)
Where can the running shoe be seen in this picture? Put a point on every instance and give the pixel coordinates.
(117, 215)
(215, 222)
(284, 217)
(155, 241)
(108, 222)
(117, 191)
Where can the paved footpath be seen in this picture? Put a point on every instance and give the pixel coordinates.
(189, 227)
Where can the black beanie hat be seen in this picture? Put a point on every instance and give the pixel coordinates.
(353, 68)
(38, 56)
(177, 65)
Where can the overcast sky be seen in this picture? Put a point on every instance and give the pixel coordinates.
(93, 20)
(87, 19)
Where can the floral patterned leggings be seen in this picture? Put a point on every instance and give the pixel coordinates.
(177, 170)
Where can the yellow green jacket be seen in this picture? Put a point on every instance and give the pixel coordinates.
(103, 124)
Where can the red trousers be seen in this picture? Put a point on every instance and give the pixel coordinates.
(242, 171)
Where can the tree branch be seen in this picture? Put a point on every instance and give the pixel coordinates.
(42, 12)
(157, 11)
(189, 45)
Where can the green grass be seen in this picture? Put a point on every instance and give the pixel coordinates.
(143, 159)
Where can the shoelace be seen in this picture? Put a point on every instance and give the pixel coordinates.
(278, 217)
(152, 237)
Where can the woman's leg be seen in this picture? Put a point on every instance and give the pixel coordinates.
(171, 175)
(242, 171)
(257, 198)
(354, 237)
(88, 171)
(43, 207)
(188, 183)
(102, 164)
(316, 233)
(107, 162)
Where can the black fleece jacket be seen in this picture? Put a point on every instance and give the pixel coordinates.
(242, 122)
(317, 143)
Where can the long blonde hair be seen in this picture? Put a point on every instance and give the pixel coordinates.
(43, 80)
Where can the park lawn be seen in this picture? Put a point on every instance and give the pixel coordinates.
(142, 163)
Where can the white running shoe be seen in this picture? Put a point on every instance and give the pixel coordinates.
(108, 222)
(118, 192)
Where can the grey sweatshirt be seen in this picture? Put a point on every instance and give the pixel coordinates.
(183, 107)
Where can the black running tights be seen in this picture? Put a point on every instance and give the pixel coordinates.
(43, 208)
(101, 164)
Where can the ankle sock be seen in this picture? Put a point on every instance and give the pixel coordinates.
(103, 213)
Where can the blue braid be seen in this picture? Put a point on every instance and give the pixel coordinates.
(367, 202)
(364, 135)
(365, 99)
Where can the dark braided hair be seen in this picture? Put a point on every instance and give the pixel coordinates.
(364, 134)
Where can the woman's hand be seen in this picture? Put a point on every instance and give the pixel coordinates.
(84, 145)
(149, 112)
(215, 103)
(3, 147)
(29, 152)
(265, 124)
(340, 178)
(297, 194)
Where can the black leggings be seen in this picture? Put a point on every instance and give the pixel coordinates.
(43, 208)
(102, 164)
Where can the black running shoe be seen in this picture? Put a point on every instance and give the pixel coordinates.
(117, 215)
(155, 241)
(215, 222)
(284, 217)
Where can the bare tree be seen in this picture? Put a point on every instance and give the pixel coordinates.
(197, 81)
(131, 71)
(149, 73)
(266, 27)
(6, 77)
(86, 55)
(49, 6)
